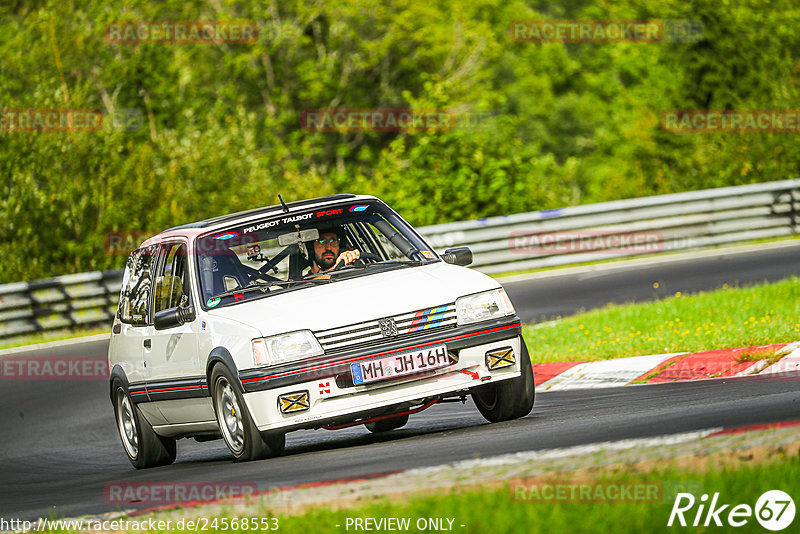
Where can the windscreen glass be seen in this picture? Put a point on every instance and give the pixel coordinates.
(299, 249)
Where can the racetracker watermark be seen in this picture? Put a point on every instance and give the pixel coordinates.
(605, 31)
(731, 121)
(97, 524)
(164, 493)
(721, 365)
(377, 120)
(182, 32)
(126, 119)
(572, 241)
(50, 120)
(638, 491)
(54, 368)
(476, 120)
(124, 242)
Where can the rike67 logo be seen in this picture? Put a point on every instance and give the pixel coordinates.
(774, 510)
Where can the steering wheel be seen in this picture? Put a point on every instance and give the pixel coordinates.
(365, 255)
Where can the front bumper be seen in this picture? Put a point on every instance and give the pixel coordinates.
(332, 397)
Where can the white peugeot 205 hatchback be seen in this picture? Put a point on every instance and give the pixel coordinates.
(323, 313)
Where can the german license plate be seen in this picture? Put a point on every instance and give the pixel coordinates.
(399, 365)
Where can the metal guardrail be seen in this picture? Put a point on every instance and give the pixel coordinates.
(682, 221)
(65, 302)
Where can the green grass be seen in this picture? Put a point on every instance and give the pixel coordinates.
(498, 511)
(725, 318)
(46, 337)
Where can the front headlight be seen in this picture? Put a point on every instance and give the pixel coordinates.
(285, 348)
(483, 306)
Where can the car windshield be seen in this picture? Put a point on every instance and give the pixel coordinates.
(299, 249)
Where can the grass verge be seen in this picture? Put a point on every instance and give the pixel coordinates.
(724, 318)
(511, 510)
(526, 506)
(34, 339)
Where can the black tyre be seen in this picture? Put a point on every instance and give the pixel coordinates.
(509, 399)
(142, 445)
(235, 423)
(385, 425)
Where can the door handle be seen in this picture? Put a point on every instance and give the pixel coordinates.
(148, 343)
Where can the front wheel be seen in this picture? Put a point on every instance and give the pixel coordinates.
(508, 399)
(143, 446)
(237, 426)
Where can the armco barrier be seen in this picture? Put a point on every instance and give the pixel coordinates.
(64, 302)
(683, 221)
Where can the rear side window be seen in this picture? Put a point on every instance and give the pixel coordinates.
(137, 282)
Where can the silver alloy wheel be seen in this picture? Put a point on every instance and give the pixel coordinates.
(229, 415)
(127, 425)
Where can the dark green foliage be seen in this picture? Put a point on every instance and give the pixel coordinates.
(217, 127)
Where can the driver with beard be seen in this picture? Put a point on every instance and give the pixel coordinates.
(324, 252)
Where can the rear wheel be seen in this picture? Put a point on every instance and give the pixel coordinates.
(385, 425)
(143, 446)
(508, 399)
(235, 423)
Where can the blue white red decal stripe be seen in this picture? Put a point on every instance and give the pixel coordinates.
(226, 235)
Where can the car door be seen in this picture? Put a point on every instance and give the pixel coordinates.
(176, 379)
(135, 320)
(133, 314)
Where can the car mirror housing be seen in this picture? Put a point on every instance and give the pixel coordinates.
(172, 317)
(458, 256)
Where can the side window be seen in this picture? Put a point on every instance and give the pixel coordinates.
(370, 239)
(172, 282)
(134, 299)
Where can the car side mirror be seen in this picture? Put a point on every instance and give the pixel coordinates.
(458, 256)
(172, 317)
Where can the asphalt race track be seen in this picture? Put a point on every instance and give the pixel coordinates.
(59, 446)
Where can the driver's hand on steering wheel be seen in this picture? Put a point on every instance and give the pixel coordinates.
(348, 257)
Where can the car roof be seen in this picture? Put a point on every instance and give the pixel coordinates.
(194, 229)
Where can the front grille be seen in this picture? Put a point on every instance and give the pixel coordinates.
(408, 325)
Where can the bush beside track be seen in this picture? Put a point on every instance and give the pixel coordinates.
(196, 131)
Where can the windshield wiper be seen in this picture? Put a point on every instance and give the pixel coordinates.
(387, 263)
(289, 283)
(264, 286)
(414, 262)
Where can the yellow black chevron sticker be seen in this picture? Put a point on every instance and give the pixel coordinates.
(293, 402)
(499, 358)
